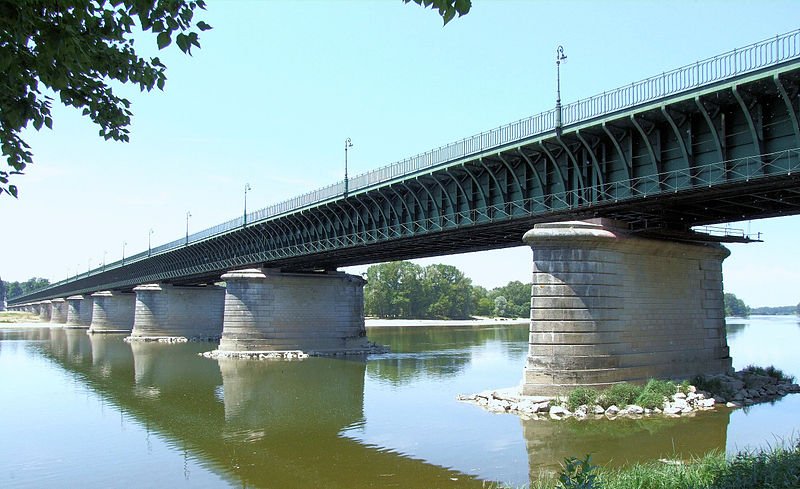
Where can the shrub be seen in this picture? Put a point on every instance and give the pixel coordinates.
(581, 396)
(650, 400)
(712, 385)
(620, 395)
(578, 474)
(684, 386)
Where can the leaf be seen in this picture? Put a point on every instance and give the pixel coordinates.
(203, 26)
(12, 189)
(163, 40)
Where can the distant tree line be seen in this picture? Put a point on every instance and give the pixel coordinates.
(735, 306)
(14, 289)
(405, 290)
(775, 311)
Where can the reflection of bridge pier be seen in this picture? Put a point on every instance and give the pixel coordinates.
(79, 348)
(309, 395)
(623, 441)
(109, 352)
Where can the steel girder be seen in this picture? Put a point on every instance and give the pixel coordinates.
(728, 152)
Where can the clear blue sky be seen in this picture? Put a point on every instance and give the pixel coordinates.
(279, 85)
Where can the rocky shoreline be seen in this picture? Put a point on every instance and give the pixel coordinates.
(743, 388)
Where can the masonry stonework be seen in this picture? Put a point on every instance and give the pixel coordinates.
(79, 311)
(270, 311)
(112, 312)
(608, 307)
(167, 311)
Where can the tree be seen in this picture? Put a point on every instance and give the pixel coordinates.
(393, 290)
(73, 49)
(15, 289)
(500, 306)
(447, 291)
(447, 8)
(735, 306)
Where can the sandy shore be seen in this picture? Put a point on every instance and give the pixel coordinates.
(396, 323)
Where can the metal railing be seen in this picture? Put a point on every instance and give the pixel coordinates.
(770, 52)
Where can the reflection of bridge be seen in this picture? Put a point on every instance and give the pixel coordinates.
(275, 424)
(715, 141)
(266, 424)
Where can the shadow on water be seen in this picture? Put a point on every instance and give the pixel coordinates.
(257, 423)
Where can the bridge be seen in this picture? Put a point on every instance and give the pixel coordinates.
(710, 142)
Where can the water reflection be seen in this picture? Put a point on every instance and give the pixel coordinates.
(624, 441)
(439, 352)
(384, 420)
(260, 424)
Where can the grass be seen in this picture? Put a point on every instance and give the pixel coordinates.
(774, 467)
(17, 317)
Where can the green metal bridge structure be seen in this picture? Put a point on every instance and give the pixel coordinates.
(712, 142)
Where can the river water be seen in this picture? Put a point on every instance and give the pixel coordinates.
(94, 411)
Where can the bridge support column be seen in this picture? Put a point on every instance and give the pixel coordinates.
(165, 312)
(112, 312)
(44, 310)
(79, 311)
(272, 313)
(58, 311)
(609, 307)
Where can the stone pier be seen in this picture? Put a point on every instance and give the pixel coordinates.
(44, 310)
(58, 311)
(112, 312)
(165, 312)
(609, 307)
(79, 311)
(269, 312)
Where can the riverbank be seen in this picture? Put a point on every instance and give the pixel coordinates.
(13, 317)
(403, 323)
(777, 467)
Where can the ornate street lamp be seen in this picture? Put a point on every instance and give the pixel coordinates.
(188, 215)
(347, 145)
(560, 58)
(244, 218)
(124, 244)
(149, 247)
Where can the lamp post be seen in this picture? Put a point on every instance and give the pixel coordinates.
(347, 145)
(560, 57)
(104, 260)
(149, 247)
(88, 267)
(188, 215)
(124, 244)
(244, 217)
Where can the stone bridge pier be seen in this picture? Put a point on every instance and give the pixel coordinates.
(608, 307)
(79, 311)
(112, 312)
(58, 311)
(164, 311)
(271, 312)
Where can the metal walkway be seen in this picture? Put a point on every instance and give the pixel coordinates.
(706, 143)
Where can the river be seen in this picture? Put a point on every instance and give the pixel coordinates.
(94, 411)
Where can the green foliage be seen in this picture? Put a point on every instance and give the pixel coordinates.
(74, 49)
(578, 474)
(581, 396)
(620, 395)
(684, 386)
(770, 371)
(447, 8)
(713, 385)
(405, 290)
(774, 311)
(15, 289)
(777, 468)
(735, 306)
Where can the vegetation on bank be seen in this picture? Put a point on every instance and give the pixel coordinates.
(7, 317)
(14, 289)
(776, 467)
(404, 290)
